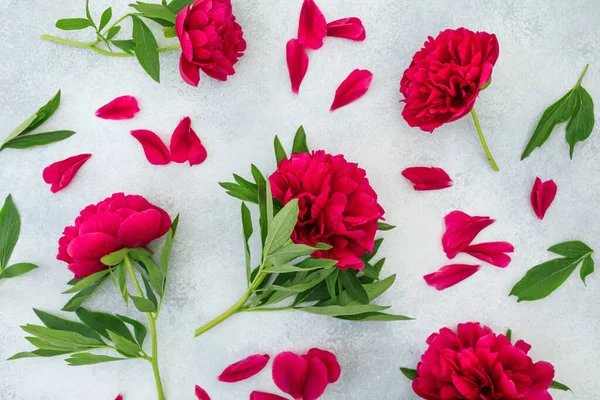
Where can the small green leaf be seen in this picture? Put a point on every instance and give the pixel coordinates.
(488, 83)
(103, 323)
(252, 187)
(88, 14)
(572, 249)
(72, 24)
(39, 139)
(169, 32)
(261, 185)
(62, 338)
(331, 283)
(509, 335)
(336, 311)
(408, 372)
(560, 386)
(280, 229)
(124, 346)
(300, 145)
(240, 192)
(149, 293)
(351, 283)
(38, 353)
(382, 226)
(114, 258)
(177, 5)
(587, 268)
(311, 281)
(155, 11)
(582, 123)
(10, 228)
(279, 151)
(105, 19)
(142, 304)
(138, 328)
(122, 280)
(87, 281)
(375, 317)
(309, 264)
(157, 279)
(112, 32)
(89, 359)
(165, 254)
(44, 113)
(146, 49)
(128, 46)
(54, 322)
(368, 256)
(76, 301)
(18, 130)
(17, 270)
(288, 253)
(248, 230)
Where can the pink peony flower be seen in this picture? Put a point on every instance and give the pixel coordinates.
(446, 76)
(337, 204)
(474, 363)
(120, 221)
(210, 40)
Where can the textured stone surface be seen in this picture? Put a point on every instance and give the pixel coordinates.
(544, 47)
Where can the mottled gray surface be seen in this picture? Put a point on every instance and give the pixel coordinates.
(544, 46)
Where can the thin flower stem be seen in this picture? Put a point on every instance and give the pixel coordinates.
(270, 309)
(582, 75)
(483, 142)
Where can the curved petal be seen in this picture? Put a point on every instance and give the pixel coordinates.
(450, 275)
(492, 252)
(185, 144)
(316, 381)
(347, 28)
(255, 395)
(139, 229)
(155, 150)
(61, 173)
(330, 360)
(85, 268)
(312, 27)
(244, 369)
(427, 178)
(190, 72)
(542, 196)
(297, 62)
(289, 373)
(105, 222)
(124, 107)
(201, 393)
(461, 229)
(91, 246)
(355, 86)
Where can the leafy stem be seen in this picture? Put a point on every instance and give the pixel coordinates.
(483, 142)
(92, 46)
(582, 75)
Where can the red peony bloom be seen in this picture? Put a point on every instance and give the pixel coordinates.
(446, 76)
(120, 221)
(337, 204)
(476, 364)
(210, 39)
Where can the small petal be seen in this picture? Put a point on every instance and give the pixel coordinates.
(201, 393)
(244, 369)
(155, 150)
(61, 173)
(124, 107)
(119, 397)
(312, 27)
(492, 252)
(425, 178)
(297, 62)
(450, 275)
(352, 88)
(265, 396)
(91, 246)
(190, 72)
(542, 196)
(316, 381)
(139, 229)
(330, 360)
(461, 229)
(185, 144)
(289, 373)
(347, 28)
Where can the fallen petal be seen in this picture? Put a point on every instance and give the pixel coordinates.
(316, 381)
(297, 62)
(427, 178)
(124, 107)
(312, 27)
(119, 397)
(450, 275)
(61, 173)
(185, 144)
(461, 229)
(347, 28)
(352, 88)
(201, 393)
(330, 360)
(542, 196)
(492, 253)
(155, 150)
(265, 396)
(244, 369)
(289, 373)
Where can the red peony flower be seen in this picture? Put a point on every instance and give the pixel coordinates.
(210, 39)
(446, 76)
(120, 221)
(476, 364)
(337, 204)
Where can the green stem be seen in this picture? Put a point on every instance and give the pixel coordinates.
(270, 309)
(483, 142)
(582, 75)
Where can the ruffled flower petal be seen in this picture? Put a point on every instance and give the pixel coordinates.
(154, 148)
(185, 144)
(61, 173)
(190, 72)
(124, 107)
(92, 246)
(427, 178)
(139, 229)
(450, 275)
(244, 369)
(352, 88)
(331, 363)
(542, 196)
(461, 230)
(347, 28)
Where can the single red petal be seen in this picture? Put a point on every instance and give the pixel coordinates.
(289, 373)
(316, 380)
(185, 144)
(352, 88)
(542, 196)
(297, 62)
(255, 395)
(119, 397)
(124, 107)
(492, 252)
(244, 369)
(461, 229)
(312, 27)
(201, 393)
(347, 28)
(154, 148)
(61, 173)
(330, 360)
(450, 275)
(91, 246)
(189, 71)
(139, 229)
(427, 178)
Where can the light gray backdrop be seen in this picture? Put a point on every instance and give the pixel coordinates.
(544, 46)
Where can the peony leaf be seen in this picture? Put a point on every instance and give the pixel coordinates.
(300, 145)
(146, 48)
(103, 323)
(44, 113)
(409, 373)
(142, 304)
(281, 227)
(89, 359)
(155, 11)
(112, 32)
(177, 5)
(114, 258)
(17, 270)
(353, 286)
(128, 46)
(509, 335)
(165, 254)
(337, 311)
(375, 317)
(76, 301)
(279, 150)
(138, 328)
(587, 268)
(559, 386)
(261, 185)
(289, 253)
(124, 346)
(54, 322)
(309, 282)
(105, 18)
(582, 123)
(248, 230)
(382, 226)
(572, 249)
(10, 228)
(73, 24)
(39, 139)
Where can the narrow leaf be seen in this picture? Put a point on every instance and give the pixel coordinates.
(382, 226)
(543, 279)
(142, 304)
(10, 228)
(105, 19)
(146, 49)
(351, 283)
(155, 11)
(572, 249)
(17, 270)
(331, 283)
(103, 323)
(336, 311)
(247, 230)
(86, 282)
(587, 268)
(72, 24)
(582, 123)
(261, 185)
(300, 145)
(375, 317)
(138, 328)
(559, 386)
(409, 373)
(39, 139)
(128, 46)
(112, 32)
(89, 359)
(61, 324)
(165, 254)
(279, 150)
(76, 301)
(280, 229)
(114, 258)
(44, 113)
(124, 346)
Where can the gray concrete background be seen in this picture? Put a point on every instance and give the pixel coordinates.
(544, 47)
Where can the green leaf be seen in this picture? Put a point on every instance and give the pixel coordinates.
(17, 270)
(72, 24)
(122, 281)
(582, 123)
(337, 311)
(87, 281)
(248, 230)
(298, 287)
(146, 49)
(54, 322)
(155, 11)
(18, 130)
(165, 254)
(112, 32)
(288, 253)
(39, 139)
(62, 338)
(375, 317)
(169, 32)
(488, 83)
(269, 201)
(572, 249)
(409, 372)
(138, 328)
(368, 256)
(76, 301)
(128, 46)
(351, 283)
(114, 258)
(157, 279)
(308, 264)
(543, 279)
(44, 113)
(279, 151)
(10, 228)
(509, 335)
(177, 5)
(142, 304)
(124, 346)
(587, 268)
(382, 226)
(105, 19)
(239, 192)
(89, 359)
(104, 323)
(280, 229)
(253, 187)
(559, 386)
(331, 283)
(300, 145)
(261, 185)
(38, 353)
(150, 294)
(87, 13)
(557, 113)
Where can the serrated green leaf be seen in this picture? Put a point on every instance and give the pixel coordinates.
(17, 270)
(560, 386)
(352, 285)
(128, 46)
(300, 145)
(103, 323)
(155, 11)
(114, 258)
(10, 229)
(587, 268)
(572, 249)
(142, 304)
(112, 32)
(76, 301)
(337, 311)
(409, 373)
(105, 18)
(78, 359)
(39, 139)
(61, 324)
(138, 328)
(279, 150)
(124, 346)
(146, 48)
(582, 122)
(281, 227)
(72, 24)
